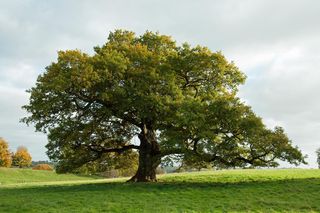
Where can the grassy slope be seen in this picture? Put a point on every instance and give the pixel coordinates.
(231, 191)
(25, 176)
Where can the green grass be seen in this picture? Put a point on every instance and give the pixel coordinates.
(27, 176)
(293, 190)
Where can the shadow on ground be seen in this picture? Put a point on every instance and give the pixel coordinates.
(296, 195)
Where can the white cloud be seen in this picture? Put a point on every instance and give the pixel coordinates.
(282, 87)
(14, 132)
(21, 75)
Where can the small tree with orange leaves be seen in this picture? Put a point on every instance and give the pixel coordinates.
(21, 158)
(5, 156)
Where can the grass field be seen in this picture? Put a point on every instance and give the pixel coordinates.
(27, 176)
(294, 190)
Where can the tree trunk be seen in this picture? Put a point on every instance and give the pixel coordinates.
(149, 157)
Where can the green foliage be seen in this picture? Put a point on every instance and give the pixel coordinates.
(266, 191)
(179, 100)
(109, 165)
(190, 162)
(21, 158)
(5, 156)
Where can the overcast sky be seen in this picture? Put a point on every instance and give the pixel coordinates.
(276, 43)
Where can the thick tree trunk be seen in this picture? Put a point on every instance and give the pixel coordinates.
(149, 157)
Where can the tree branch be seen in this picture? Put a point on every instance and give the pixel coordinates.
(171, 152)
(117, 150)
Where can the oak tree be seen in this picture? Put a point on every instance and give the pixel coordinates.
(176, 99)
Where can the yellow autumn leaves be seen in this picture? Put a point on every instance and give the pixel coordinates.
(21, 158)
(5, 156)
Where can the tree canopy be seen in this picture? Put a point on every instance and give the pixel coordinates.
(177, 99)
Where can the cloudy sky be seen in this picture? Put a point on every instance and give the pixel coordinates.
(276, 43)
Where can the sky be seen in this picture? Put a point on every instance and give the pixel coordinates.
(275, 43)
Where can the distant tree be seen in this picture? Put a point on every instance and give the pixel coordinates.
(5, 155)
(177, 99)
(34, 163)
(21, 158)
(318, 157)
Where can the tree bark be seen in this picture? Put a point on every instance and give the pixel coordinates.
(149, 157)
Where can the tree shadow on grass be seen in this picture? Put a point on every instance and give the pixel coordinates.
(293, 195)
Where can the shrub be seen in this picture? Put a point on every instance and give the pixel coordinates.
(43, 167)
